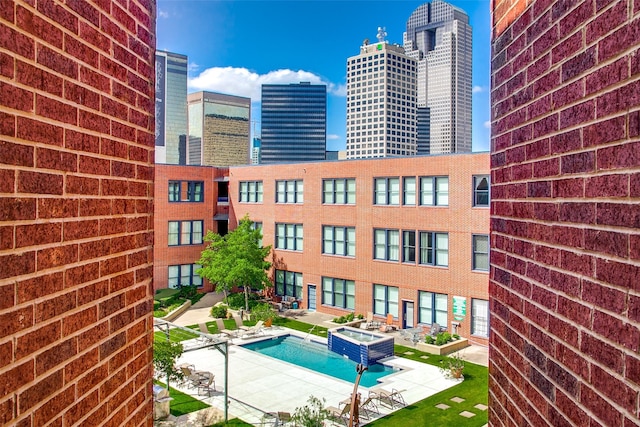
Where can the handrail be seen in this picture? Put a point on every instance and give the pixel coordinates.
(306, 338)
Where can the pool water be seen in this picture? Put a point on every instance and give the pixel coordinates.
(315, 356)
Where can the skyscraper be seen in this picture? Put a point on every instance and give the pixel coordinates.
(294, 122)
(219, 129)
(171, 108)
(438, 36)
(381, 101)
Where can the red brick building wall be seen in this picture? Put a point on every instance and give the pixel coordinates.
(76, 226)
(460, 219)
(565, 274)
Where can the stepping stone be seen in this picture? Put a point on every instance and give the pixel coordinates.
(467, 414)
(442, 406)
(424, 357)
(457, 399)
(409, 353)
(481, 407)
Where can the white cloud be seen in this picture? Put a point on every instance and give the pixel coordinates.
(247, 83)
(193, 67)
(479, 89)
(487, 124)
(333, 136)
(163, 14)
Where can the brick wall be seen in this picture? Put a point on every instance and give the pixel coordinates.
(76, 231)
(565, 275)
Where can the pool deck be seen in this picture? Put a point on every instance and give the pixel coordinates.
(259, 384)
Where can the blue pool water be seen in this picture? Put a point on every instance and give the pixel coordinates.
(316, 356)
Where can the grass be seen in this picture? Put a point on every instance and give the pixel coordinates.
(300, 326)
(474, 389)
(182, 403)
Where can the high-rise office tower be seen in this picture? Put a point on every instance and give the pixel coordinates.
(171, 108)
(438, 36)
(381, 101)
(219, 129)
(255, 151)
(294, 123)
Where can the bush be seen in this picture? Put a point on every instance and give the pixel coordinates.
(443, 338)
(429, 339)
(187, 291)
(346, 318)
(156, 305)
(219, 311)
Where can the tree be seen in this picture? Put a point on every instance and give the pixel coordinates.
(165, 355)
(311, 415)
(237, 259)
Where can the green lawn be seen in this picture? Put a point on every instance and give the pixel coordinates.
(182, 403)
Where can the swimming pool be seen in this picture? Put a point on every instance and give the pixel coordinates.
(315, 356)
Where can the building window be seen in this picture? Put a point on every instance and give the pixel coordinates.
(409, 190)
(480, 317)
(481, 252)
(257, 226)
(385, 300)
(481, 186)
(339, 191)
(251, 191)
(184, 275)
(387, 191)
(185, 233)
(339, 293)
(432, 308)
(289, 283)
(289, 236)
(289, 191)
(434, 248)
(386, 244)
(194, 191)
(409, 246)
(434, 190)
(339, 240)
(174, 191)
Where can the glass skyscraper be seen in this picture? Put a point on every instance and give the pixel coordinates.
(294, 123)
(171, 108)
(438, 36)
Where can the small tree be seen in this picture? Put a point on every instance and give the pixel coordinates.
(236, 259)
(311, 415)
(165, 355)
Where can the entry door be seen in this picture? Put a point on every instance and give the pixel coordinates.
(311, 292)
(407, 320)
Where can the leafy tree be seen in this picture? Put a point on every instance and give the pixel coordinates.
(236, 259)
(165, 355)
(311, 415)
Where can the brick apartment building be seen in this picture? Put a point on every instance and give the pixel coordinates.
(565, 256)
(76, 207)
(407, 236)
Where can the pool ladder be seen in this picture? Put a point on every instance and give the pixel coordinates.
(307, 338)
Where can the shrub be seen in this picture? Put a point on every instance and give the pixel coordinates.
(219, 311)
(156, 305)
(443, 338)
(429, 339)
(188, 291)
(456, 336)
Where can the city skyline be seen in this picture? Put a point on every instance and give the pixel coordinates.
(242, 45)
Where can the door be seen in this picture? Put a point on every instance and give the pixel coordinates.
(407, 319)
(311, 293)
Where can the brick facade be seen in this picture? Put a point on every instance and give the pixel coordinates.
(565, 265)
(76, 207)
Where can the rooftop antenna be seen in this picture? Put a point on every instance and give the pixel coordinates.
(382, 33)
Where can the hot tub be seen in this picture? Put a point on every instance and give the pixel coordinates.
(360, 346)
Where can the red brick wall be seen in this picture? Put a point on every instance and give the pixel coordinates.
(76, 230)
(565, 276)
(460, 219)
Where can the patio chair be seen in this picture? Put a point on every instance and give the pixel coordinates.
(254, 330)
(240, 322)
(340, 416)
(391, 399)
(435, 329)
(231, 333)
(284, 418)
(368, 408)
(370, 323)
(389, 326)
(206, 379)
(190, 377)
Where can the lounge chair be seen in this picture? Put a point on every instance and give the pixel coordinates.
(391, 399)
(240, 322)
(231, 333)
(253, 330)
(340, 415)
(370, 323)
(389, 326)
(368, 408)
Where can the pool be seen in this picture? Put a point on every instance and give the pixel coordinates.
(315, 356)
(360, 346)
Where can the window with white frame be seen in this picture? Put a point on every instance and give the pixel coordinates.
(434, 248)
(339, 293)
(385, 300)
(339, 240)
(480, 317)
(409, 246)
(250, 191)
(290, 191)
(434, 190)
(432, 308)
(289, 236)
(288, 283)
(184, 275)
(409, 190)
(481, 252)
(339, 191)
(386, 244)
(386, 191)
(185, 233)
(481, 190)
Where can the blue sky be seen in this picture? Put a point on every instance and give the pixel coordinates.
(235, 46)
